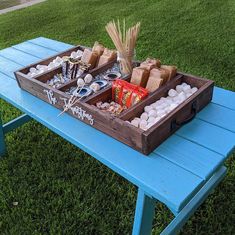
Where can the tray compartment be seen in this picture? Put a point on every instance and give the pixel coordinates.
(185, 112)
(22, 73)
(25, 70)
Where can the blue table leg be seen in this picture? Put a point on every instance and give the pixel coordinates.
(144, 214)
(2, 140)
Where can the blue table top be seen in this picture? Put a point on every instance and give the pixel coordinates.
(173, 173)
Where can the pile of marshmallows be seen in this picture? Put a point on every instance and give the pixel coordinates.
(55, 63)
(156, 111)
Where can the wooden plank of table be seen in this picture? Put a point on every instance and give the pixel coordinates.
(51, 44)
(35, 50)
(218, 115)
(224, 98)
(190, 156)
(209, 136)
(8, 67)
(154, 174)
(18, 57)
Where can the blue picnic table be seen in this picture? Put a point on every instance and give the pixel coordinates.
(180, 173)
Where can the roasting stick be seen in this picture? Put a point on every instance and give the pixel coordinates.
(72, 101)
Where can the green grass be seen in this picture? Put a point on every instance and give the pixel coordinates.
(62, 190)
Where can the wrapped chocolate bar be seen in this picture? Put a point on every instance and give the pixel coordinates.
(140, 76)
(150, 64)
(171, 70)
(98, 48)
(107, 56)
(72, 68)
(90, 57)
(116, 90)
(154, 83)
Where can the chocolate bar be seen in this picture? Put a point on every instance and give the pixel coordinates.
(107, 56)
(171, 70)
(90, 57)
(150, 64)
(139, 76)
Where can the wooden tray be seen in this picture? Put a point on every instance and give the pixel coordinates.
(117, 127)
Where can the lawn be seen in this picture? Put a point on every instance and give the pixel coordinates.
(62, 190)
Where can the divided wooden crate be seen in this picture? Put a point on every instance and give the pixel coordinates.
(116, 126)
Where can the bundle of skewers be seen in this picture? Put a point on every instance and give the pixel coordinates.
(125, 42)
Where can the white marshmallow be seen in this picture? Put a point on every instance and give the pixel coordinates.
(144, 116)
(194, 89)
(51, 65)
(88, 78)
(169, 101)
(182, 97)
(159, 102)
(164, 105)
(95, 87)
(163, 99)
(188, 95)
(172, 106)
(154, 105)
(147, 109)
(151, 119)
(136, 118)
(179, 88)
(158, 108)
(74, 55)
(172, 93)
(59, 60)
(80, 82)
(135, 123)
(160, 112)
(32, 74)
(167, 110)
(32, 70)
(79, 53)
(186, 88)
(152, 113)
(143, 124)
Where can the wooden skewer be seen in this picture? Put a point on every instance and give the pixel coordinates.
(124, 42)
(72, 101)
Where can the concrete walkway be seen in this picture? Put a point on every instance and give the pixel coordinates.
(24, 5)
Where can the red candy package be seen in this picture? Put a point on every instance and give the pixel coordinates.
(116, 90)
(127, 94)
